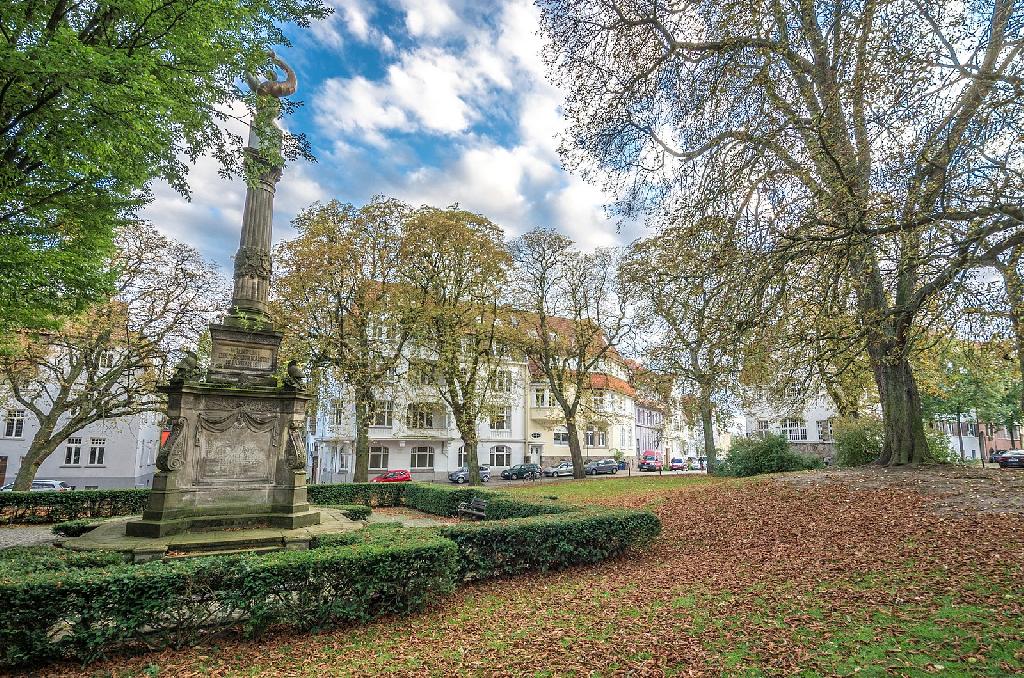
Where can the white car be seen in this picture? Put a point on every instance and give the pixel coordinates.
(563, 469)
(42, 486)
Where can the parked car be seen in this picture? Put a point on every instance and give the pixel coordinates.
(997, 456)
(42, 486)
(1012, 459)
(649, 462)
(678, 465)
(461, 475)
(621, 464)
(520, 471)
(600, 466)
(400, 476)
(562, 469)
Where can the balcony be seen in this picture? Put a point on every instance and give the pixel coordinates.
(497, 434)
(548, 413)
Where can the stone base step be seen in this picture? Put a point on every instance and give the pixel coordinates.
(173, 554)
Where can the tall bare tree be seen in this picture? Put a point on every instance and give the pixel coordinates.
(106, 362)
(572, 314)
(338, 290)
(457, 265)
(881, 140)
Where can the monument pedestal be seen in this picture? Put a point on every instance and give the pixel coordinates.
(236, 454)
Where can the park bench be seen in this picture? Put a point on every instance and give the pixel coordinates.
(474, 508)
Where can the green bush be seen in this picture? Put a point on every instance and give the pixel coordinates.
(74, 528)
(19, 561)
(55, 507)
(440, 500)
(939, 447)
(770, 454)
(350, 511)
(84, 614)
(546, 542)
(368, 494)
(858, 440)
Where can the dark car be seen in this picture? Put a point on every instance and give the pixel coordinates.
(1012, 459)
(600, 466)
(520, 471)
(998, 455)
(461, 475)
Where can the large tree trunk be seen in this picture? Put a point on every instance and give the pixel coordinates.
(41, 448)
(575, 451)
(902, 416)
(470, 443)
(364, 410)
(708, 423)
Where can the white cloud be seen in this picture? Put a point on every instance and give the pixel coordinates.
(428, 18)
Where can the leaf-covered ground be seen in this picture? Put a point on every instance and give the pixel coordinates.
(749, 578)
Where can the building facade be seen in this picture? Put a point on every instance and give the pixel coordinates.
(108, 454)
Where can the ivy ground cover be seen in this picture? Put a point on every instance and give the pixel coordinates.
(747, 578)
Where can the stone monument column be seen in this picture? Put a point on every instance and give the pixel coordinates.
(236, 453)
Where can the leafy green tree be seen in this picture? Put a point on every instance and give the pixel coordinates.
(338, 291)
(457, 263)
(874, 144)
(97, 99)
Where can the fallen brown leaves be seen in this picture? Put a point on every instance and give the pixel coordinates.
(746, 575)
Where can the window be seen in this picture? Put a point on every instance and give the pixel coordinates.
(382, 414)
(825, 430)
(339, 415)
(97, 446)
(15, 425)
(462, 457)
(599, 401)
(794, 429)
(541, 397)
(106, 360)
(503, 381)
(794, 391)
(422, 458)
(501, 455)
(596, 437)
(379, 458)
(420, 416)
(73, 452)
(622, 437)
(421, 374)
(763, 426)
(972, 428)
(501, 420)
(561, 436)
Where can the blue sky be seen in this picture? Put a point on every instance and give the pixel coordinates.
(430, 101)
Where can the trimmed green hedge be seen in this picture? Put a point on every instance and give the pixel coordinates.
(60, 604)
(74, 528)
(55, 507)
(84, 614)
(545, 542)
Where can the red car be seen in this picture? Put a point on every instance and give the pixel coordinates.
(678, 465)
(402, 476)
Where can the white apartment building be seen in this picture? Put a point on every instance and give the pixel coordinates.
(112, 453)
(413, 429)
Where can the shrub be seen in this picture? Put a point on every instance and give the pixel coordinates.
(440, 500)
(54, 507)
(940, 448)
(770, 454)
(86, 613)
(858, 440)
(19, 561)
(74, 528)
(367, 494)
(350, 511)
(545, 542)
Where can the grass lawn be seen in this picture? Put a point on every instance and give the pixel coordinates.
(748, 578)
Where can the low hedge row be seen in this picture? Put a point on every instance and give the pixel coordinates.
(351, 511)
(74, 528)
(368, 494)
(55, 507)
(499, 548)
(85, 613)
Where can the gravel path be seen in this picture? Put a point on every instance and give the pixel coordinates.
(25, 535)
